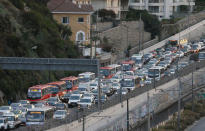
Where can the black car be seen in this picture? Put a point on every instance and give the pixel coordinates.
(65, 98)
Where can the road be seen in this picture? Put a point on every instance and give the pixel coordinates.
(197, 126)
(196, 31)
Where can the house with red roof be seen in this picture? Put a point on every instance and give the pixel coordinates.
(76, 15)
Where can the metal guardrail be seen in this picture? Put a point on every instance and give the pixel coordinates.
(116, 99)
(21, 63)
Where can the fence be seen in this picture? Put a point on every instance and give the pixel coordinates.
(116, 100)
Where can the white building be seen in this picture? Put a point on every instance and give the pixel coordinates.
(162, 8)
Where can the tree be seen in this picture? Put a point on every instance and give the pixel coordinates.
(106, 15)
(151, 22)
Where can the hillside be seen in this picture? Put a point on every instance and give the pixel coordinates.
(28, 30)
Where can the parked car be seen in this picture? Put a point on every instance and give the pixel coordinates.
(60, 114)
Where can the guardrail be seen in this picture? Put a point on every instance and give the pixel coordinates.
(116, 99)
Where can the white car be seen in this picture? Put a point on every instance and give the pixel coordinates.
(60, 114)
(5, 109)
(74, 99)
(4, 125)
(148, 81)
(180, 53)
(116, 86)
(85, 102)
(13, 120)
(24, 102)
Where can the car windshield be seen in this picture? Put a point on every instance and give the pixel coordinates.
(85, 100)
(11, 118)
(60, 105)
(82, 89)
(93, 84)
(54, 89)
(60, 112)
(15, 104)
(154, 72)
(201, 55)
(128, 83)
(67, 95)
(84, 79)
(126, 67)
(195, 46)
(53, 99)
(1, 121)
(115, 84)
(23, 101)
(74, 97)
(4, 108)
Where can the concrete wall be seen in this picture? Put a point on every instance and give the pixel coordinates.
(171, 29)
(103, 26)
(120, 37)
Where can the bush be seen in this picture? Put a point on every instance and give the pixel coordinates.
(18, 4)
(151, 22)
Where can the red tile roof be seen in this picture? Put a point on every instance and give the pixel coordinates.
(68, 6)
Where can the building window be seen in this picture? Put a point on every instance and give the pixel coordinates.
(65, 20)
(80, 19)
(80, 36)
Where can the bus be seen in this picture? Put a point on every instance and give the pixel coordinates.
(71, 82)
(156, 72)
(37, 116)
(139, 59)
(116, 67)
(128, 65)
(38, 93)
(107, 72)
(130, 82)
(58, 88)
(86, 77)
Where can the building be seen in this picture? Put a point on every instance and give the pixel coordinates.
(114, 5)
(76, 14)
(164, 9)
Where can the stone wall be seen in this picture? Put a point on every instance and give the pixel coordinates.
(127, 33)
(102, 26)
(171, 29)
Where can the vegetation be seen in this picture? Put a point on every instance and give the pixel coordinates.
(27, 29)
(151, 22)
(105, 15)
(199, 5)
(186, 120)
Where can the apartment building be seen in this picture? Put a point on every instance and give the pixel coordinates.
(164, 9)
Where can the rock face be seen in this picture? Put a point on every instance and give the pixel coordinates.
(124, 35)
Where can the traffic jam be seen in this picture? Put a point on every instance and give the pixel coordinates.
(55, 100)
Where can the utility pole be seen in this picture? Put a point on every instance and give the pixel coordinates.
(83, 121)
(148, 119)
(192, 87)
(96, 32)
(140, 33)
(99, 90)
(91, 41)
(128, 114)
(179, 97)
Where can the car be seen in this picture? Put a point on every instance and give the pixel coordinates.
(108, 91)
(85, 102)
(22, 118)
(24, 102)
(17, 112)
(201, 56)
(15, 106)
(94, 92)
(168, 53)
(185, 51)
(40, 105)
(103, 98)
(116, 86)
(65, 97)
(4, 125)
(129, 73)
(147, 57)
(167, 73)
(13, 120)
(52, 101)
(195, 48)
(5, 109)
(83, 90)
(60, 114)
(61, 106)
(88, 95)
(183, 64)
(142, 83)
(180, 53)
(93, 85)
(148, 81)
(172, 71)
(163, 64)
(74, 99)
(124, 91)
(28, 106)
